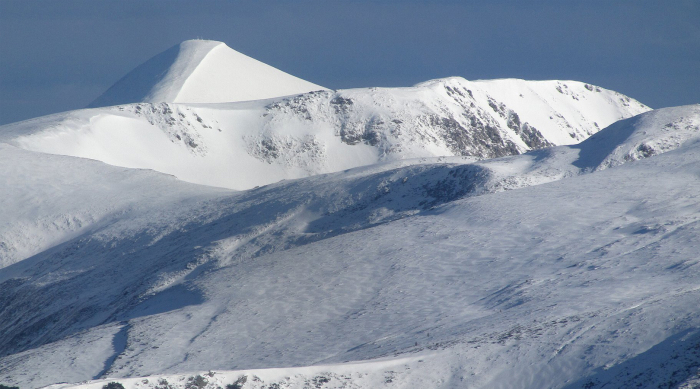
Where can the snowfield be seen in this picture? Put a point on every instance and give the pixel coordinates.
(425, 269)
(480, 234)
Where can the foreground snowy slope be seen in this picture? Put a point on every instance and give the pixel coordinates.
(202, 71)
(585, 281)
(248, 144)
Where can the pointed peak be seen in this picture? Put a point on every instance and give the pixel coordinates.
(202, 71)
(199, 44)
(201, 41)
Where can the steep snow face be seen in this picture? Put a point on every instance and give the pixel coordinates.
(565, 112)
(590, 281)
(248, 144)
(200, 71)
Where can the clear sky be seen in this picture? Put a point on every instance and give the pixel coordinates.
(60, 55)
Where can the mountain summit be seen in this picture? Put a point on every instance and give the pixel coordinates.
(202, 71)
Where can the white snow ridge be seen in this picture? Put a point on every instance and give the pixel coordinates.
(247, 144)
(454, 234)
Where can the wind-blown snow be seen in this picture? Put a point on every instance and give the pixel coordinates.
(426, 270)
(201, 71)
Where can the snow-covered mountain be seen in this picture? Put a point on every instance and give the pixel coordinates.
(424, 272)
(247, 144)
(482, 234)
(202, 71)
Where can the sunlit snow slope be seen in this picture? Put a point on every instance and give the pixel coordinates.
(247, 144)
(201, 71)
(424, 272)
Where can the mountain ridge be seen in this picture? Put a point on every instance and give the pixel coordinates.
(327, 131)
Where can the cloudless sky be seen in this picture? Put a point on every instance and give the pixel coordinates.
(60, 55)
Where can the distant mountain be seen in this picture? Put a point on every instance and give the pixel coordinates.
(481, 234)
(247, 144)
(415, 270)
(202, 71)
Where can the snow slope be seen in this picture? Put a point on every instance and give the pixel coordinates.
(425, 270)
(636, 138)
(202, 71)
(247, 144)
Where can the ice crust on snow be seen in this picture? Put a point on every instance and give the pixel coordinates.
(202, 71)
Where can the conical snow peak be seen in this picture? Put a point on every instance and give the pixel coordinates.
(202, 71)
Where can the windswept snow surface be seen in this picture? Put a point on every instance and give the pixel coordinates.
(202, 71)
(248, 144)
(402, 274)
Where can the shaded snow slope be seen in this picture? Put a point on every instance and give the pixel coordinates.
(248, 144)
(47, 200)
(415, 267)
(201, 71)
(646, 135)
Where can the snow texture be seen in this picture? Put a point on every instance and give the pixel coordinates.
(481, 234)
(566, 267)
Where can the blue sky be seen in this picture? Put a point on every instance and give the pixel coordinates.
(60, 55)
